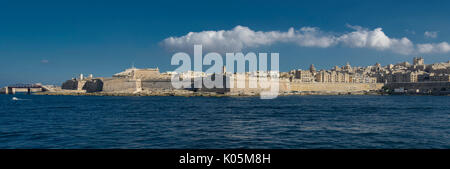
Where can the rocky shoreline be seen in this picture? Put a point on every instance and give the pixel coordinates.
(201, 94)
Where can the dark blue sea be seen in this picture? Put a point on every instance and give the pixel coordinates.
(208, 122)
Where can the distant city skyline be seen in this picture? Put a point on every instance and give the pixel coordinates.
(51, 41)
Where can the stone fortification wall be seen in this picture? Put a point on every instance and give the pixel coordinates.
(283, 85)
(335, 87)
(150, 84)
(120, 85)
(219, 89)
(90, 85)
(247, 89)
(420, 87)
(94, 85)
(70, 85)
(146, 74)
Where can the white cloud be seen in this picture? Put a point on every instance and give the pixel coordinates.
(312, 37)
(402, 46)
(242, 37)
(375, 39)
(429, 34)
(442, 47)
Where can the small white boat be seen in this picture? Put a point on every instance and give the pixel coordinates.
(15, 98)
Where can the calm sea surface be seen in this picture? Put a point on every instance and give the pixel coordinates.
(209, 122)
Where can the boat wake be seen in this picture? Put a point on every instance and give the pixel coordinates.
(15, 98)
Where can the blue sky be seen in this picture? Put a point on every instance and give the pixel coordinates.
(52, 41)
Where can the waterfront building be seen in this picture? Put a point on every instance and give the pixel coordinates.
(342, 78)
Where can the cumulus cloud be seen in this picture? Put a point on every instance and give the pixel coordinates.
(442, 47)
(375, 39)
(428, 34)
(242, 37)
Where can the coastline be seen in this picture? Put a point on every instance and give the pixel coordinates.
(213, 94)
(207, 94)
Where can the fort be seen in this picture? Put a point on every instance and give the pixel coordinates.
(131, 80)
(401, 78)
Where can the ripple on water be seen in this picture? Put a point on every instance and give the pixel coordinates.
(201, 122)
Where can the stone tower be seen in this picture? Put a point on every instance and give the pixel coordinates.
(312, 69)
(418, 61)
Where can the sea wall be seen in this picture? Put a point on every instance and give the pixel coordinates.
(150, 84)
(127, 85)
(120, 85)
(252, 86)
(335, 87)
(204, 88)
(72, 85)
(283, 85)
(94, 85)
(420, 87)
(90, 85)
